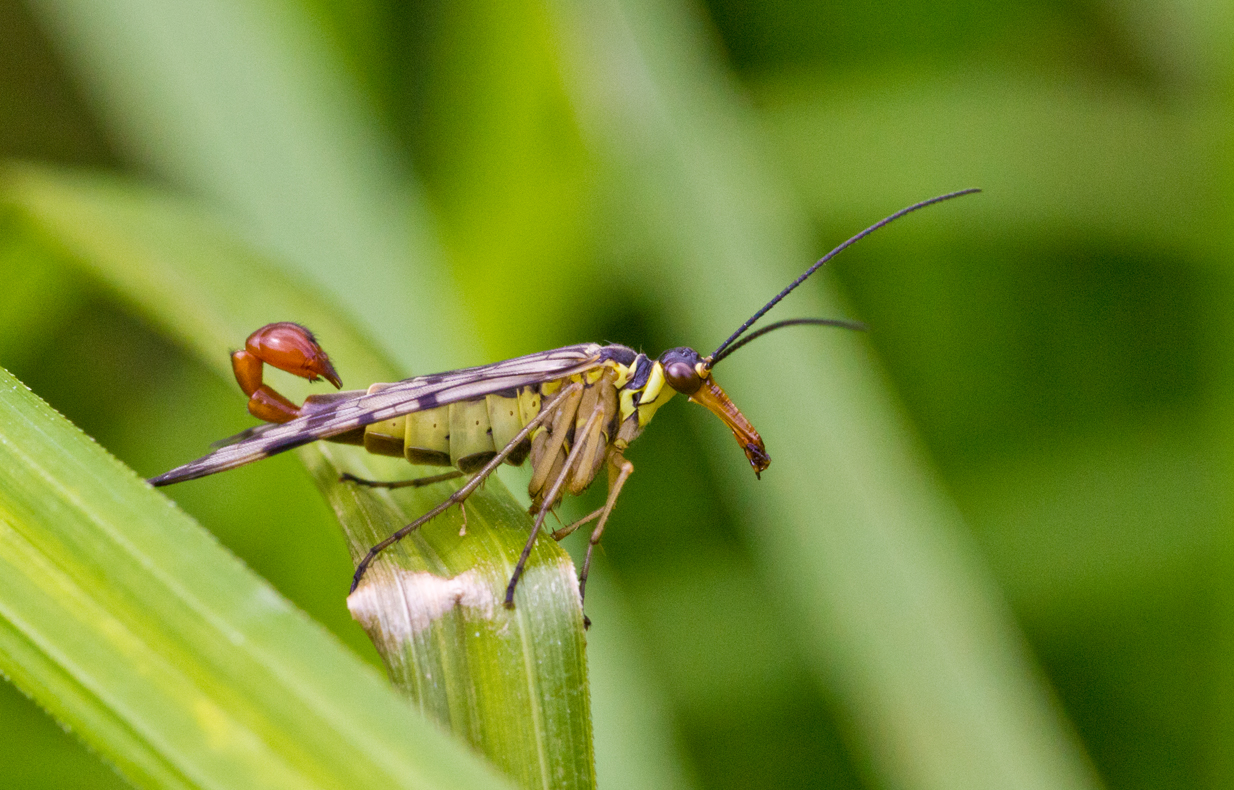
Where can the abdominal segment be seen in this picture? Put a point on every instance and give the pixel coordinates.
(465, 435)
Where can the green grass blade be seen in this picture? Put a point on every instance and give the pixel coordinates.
(511, 683)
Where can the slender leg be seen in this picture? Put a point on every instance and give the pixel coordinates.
(465, 491)
(619, 470)
(546, 506)
(553, 442)
(587, 519)
(419, 482)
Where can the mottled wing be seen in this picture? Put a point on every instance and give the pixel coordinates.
(335, 414)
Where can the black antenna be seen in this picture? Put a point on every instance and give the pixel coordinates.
(837, 322)
(719, 352)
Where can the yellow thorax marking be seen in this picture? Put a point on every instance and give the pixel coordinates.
(623, 373)
(655, 383)
(652, 396)
(655, 395)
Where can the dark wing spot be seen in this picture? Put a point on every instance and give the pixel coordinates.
(288, 443)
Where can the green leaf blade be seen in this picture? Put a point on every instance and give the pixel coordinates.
(512, 682)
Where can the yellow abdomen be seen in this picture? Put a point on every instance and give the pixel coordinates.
(465, 435)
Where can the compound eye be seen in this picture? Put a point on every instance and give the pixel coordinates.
(682, 377)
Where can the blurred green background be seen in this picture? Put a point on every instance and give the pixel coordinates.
(1060, 344)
